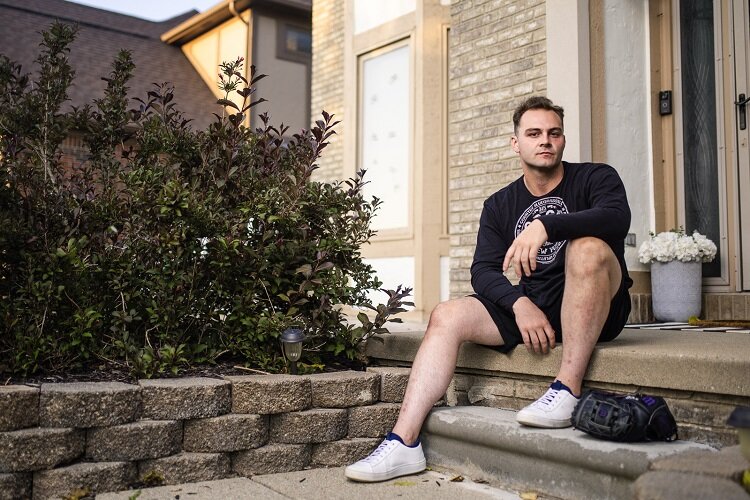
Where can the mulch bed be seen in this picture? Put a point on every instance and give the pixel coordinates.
(112, 372)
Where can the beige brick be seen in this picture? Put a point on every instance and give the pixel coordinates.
(711, 310)
(700, 413)
(739, 307)
(712, 436)
(327, 92)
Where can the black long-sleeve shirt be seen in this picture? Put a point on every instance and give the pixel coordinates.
(589, 201)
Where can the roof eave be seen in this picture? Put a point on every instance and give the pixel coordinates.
(220, 13)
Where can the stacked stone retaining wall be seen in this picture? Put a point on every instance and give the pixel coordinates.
(70, 439)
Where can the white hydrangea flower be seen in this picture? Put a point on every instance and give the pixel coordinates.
(676, 245)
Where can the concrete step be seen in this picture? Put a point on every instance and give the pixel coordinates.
(688, 361)
(703, 376)
(488, 443)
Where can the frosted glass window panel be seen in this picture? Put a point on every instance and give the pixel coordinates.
(699, 124)
(385, 135)
(369, 14)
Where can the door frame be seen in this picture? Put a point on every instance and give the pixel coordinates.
(741, 47)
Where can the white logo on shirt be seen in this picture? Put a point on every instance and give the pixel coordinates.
(546, 206)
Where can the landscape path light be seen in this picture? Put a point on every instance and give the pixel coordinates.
(291, 344)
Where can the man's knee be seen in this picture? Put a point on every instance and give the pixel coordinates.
(444, 315)
(586, 256)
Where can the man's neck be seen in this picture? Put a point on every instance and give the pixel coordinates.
(540, 181)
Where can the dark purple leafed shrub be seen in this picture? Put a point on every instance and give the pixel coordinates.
(169, 247)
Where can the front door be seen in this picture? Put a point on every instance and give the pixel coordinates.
(712, 81)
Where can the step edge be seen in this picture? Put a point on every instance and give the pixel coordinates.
(572, 447)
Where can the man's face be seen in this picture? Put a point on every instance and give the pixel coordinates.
(539, 140)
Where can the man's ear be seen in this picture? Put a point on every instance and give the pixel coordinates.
(514, 143)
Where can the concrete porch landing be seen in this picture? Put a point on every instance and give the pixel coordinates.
(716, 363)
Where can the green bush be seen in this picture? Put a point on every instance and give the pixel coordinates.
(170, 247)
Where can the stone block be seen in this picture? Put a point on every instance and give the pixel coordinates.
(701, 413)
(344, 389)
(342, 452)
(309, 426)
(374, 421)
(185, 398)
(90, 477)
(188, 467)
(19, 407)
(662, 485)
(267, 394)
(729, 463)
(393, 382)
(488, 388)
(34, 449)
(271, 459)
(716, 437)
(530, 390)
(88, 404)
(135, 441)
(15, 486)
(231, 432)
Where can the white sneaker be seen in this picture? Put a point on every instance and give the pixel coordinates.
(391, 459)
(551, 411)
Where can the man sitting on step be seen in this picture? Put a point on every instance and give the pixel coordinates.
(561, 227)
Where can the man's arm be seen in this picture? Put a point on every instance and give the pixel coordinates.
(608, 217)
(488, 280)
(487, 276)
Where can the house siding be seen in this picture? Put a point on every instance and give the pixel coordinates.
(328, 79)
(497, 59)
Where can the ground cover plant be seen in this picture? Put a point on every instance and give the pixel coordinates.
(168, 247)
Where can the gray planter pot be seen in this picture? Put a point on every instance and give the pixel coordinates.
(676, 290)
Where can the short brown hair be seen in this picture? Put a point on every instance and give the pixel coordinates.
(535, 102)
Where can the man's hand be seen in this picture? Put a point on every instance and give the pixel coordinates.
(522, 253)
(538, 335)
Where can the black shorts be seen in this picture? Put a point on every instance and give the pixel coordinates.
(619, 310)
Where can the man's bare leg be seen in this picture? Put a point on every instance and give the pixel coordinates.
(592, 278)
(451, 324)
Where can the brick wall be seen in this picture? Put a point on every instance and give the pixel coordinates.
(328, 79)
(497, 59)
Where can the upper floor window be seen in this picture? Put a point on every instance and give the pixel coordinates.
(294, 43)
